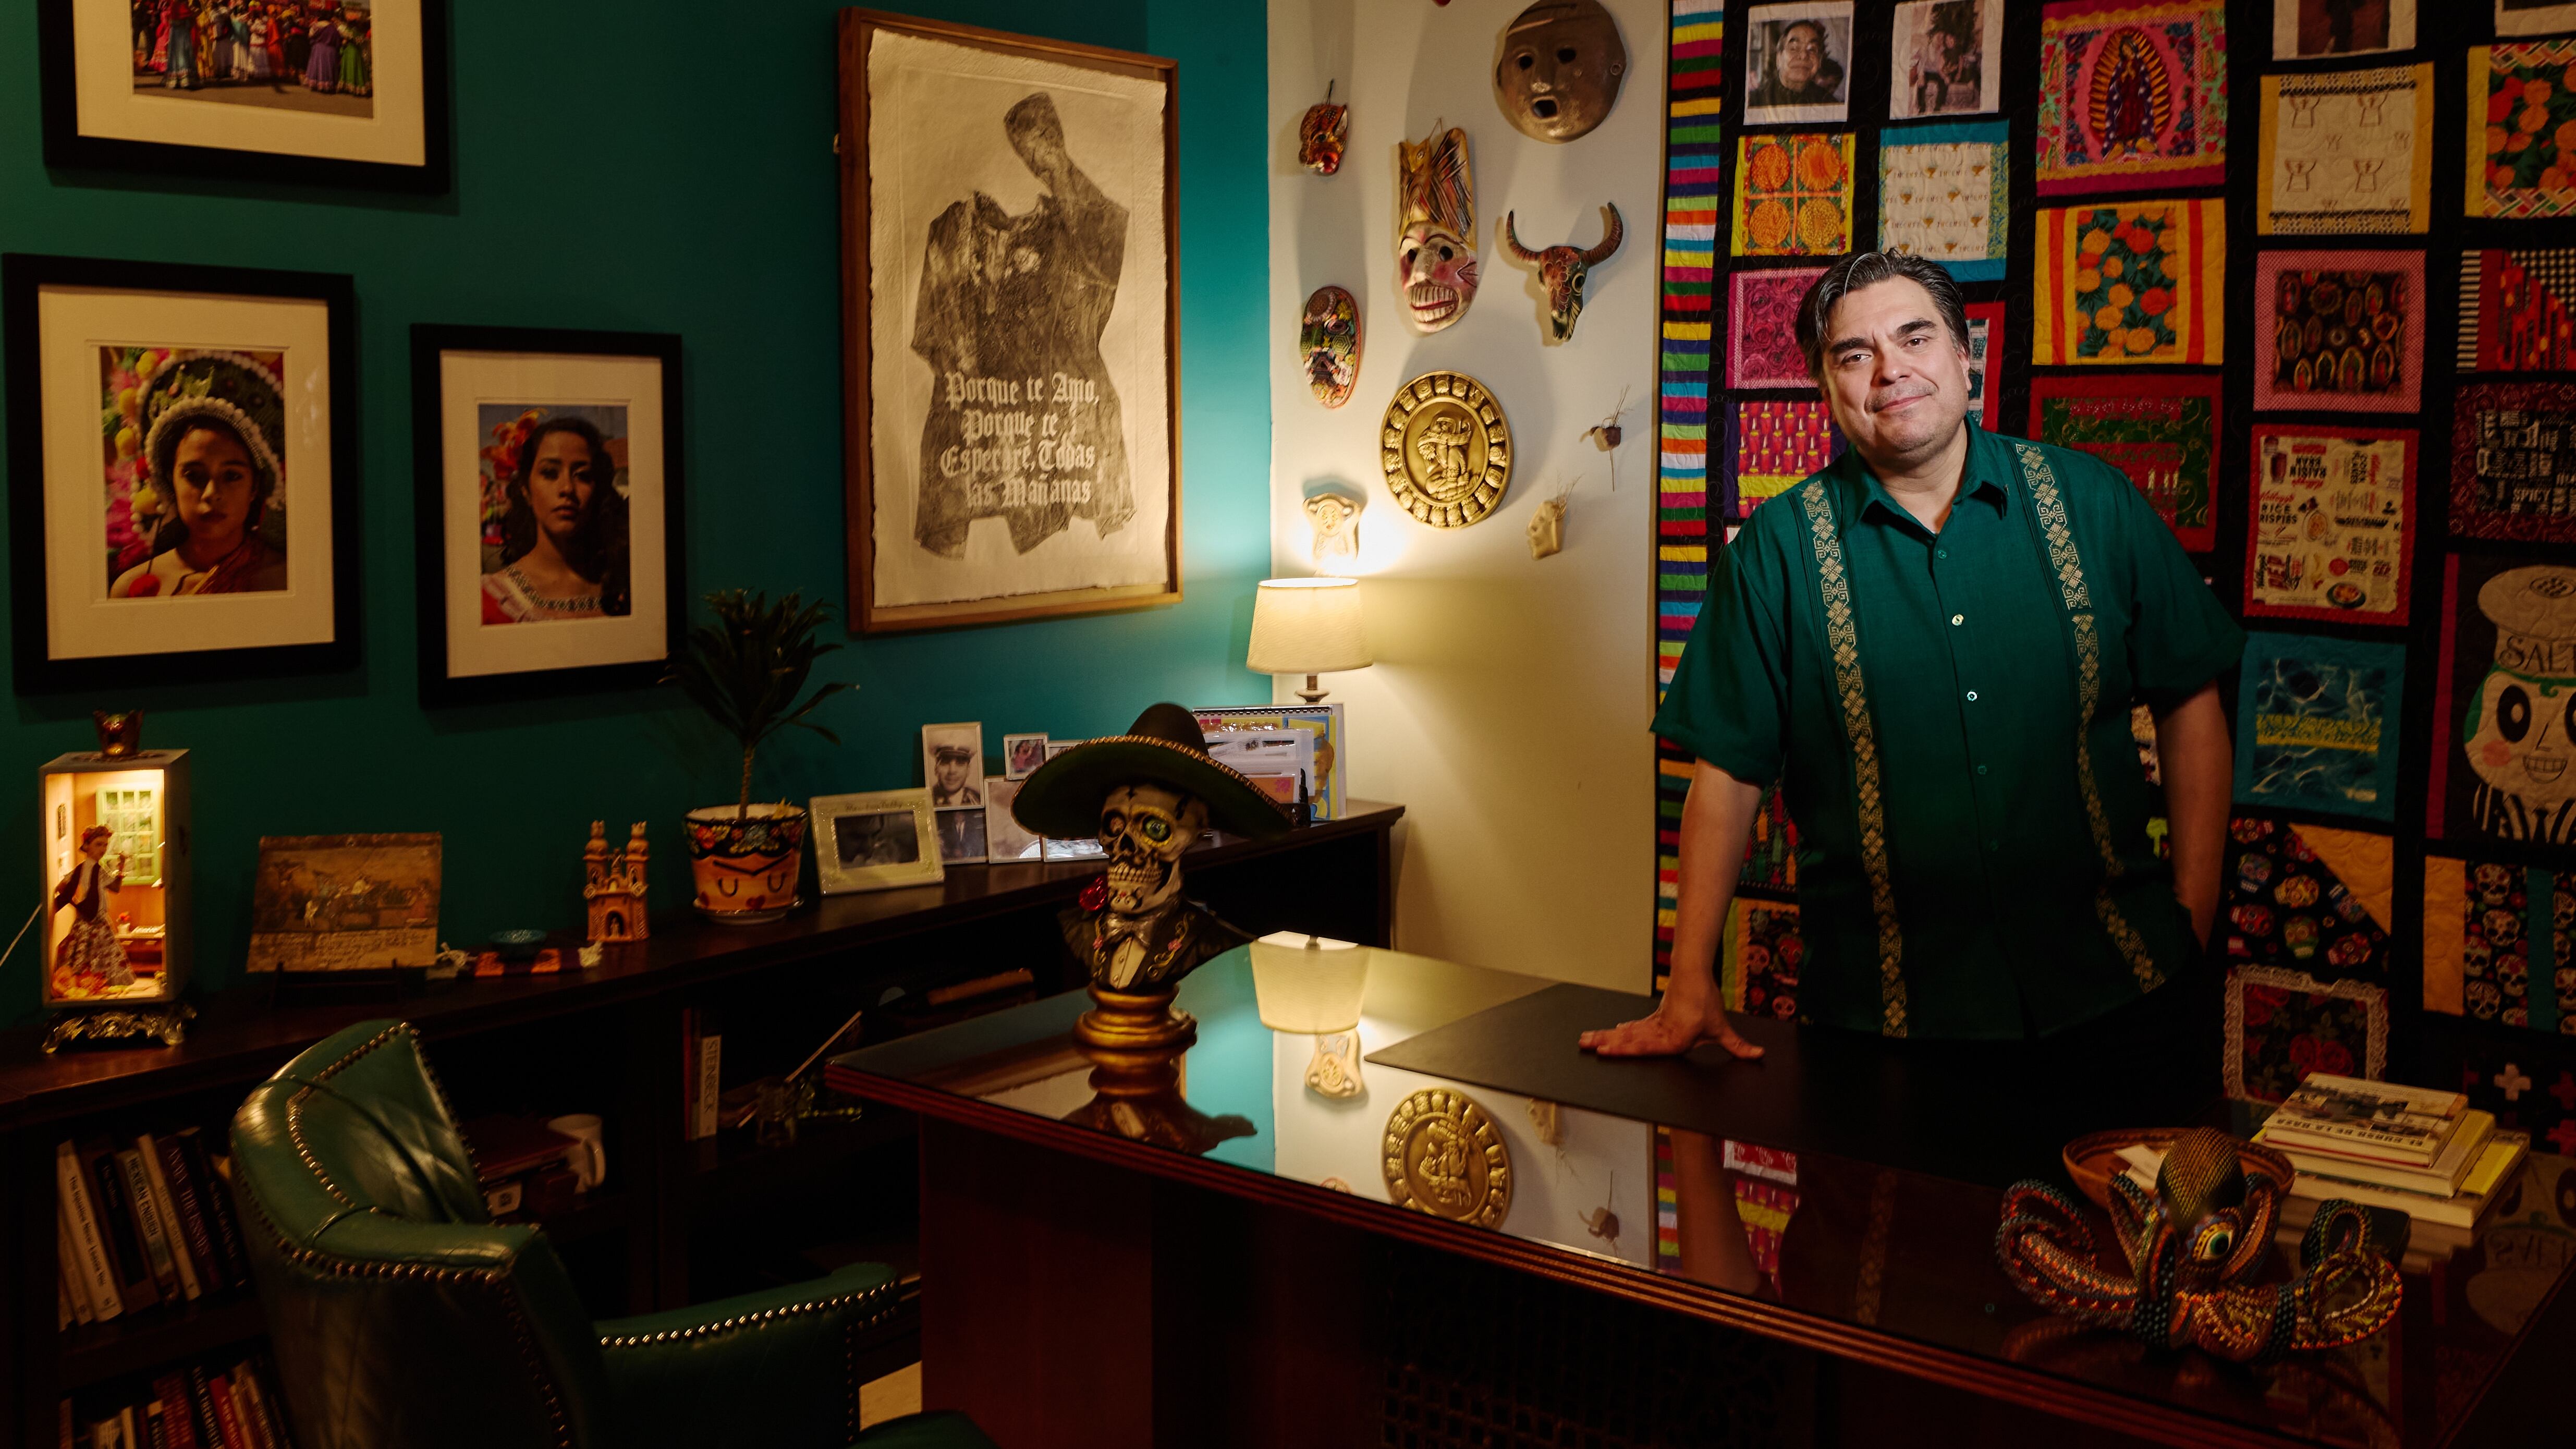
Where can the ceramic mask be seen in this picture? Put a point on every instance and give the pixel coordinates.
(1565, 269)
(1328, 344)
(1435, 249)
(2517, 741)
(1547, 528)
(1337, 530)
(1145, 829)
(1321, 135)
(1560, 69)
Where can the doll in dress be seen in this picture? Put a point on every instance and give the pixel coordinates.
(90, 960)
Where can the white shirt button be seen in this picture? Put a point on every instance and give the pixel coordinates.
(1958, 618)
(1972, 694)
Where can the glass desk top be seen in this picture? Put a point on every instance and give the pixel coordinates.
(1750, 1195)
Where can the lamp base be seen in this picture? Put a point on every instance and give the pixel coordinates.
(1312, 693)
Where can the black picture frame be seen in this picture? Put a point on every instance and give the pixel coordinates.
(22, 276)
(428, 341)
(65, 146)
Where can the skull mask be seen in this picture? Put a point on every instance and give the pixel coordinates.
(1560, 69)
(1145, 828)
(1435, 252)
(1565, 269)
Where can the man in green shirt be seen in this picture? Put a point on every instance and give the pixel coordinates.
(1933, 645)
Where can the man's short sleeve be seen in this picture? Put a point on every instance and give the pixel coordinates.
(1729, 699)
(2180, 636)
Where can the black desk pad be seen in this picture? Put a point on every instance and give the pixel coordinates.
(1969, 1111)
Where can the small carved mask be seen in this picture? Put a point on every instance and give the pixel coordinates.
(1337, 531)
(1560, 69)
(1435, 249)
(1145, 828)
(1321, 136)
(1566, 270)
(1328, 342)
(1547, 528)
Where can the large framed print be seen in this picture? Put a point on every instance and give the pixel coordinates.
(549, 520)
(182, 471)
(1013, 427)
(339, 95)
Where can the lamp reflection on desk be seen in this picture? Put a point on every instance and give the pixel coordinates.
(1311, 986)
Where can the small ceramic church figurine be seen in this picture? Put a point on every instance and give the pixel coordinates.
(613, 885)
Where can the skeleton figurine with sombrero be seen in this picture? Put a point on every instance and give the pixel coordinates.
(1148, 794)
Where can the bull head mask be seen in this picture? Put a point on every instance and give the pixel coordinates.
(1565, 268)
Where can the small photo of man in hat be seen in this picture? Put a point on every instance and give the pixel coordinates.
(952, 762)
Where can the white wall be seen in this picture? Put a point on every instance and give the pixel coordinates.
(1510, 702)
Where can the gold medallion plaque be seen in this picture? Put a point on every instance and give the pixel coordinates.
(1445, 1157)
(1446, 450)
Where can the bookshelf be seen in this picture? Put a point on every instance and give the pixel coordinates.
(666, 1227)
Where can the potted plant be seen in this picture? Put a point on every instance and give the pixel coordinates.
(746, 670)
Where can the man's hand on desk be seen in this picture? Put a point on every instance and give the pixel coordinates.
(1676, 1027)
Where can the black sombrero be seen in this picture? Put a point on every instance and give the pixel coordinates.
(1061, 798)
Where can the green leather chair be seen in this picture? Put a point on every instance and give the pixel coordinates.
(400, 1317)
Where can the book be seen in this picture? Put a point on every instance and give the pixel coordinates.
(257, 1393)
(2492, 1166)
(156, 1434)
(176, 1419)
(710, 1088)
(201, 1406)
(191, 1284)
(64, 1318)
(67, 1258)
(216, 1194)
(193, 1228)
(227, 1414)
(66, 1427)
(98, 1270)
(116, 1225)
(2462, 1210)
(2401, 1126)
(147, 1223)
(2439, 1178)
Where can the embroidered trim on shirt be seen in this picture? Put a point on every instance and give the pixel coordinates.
(2062, 555)
(1842, 640)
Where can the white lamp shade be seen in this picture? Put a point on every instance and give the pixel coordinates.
(1308, 984)
(1307, 626)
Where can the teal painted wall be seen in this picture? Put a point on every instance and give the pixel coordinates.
(672, 172)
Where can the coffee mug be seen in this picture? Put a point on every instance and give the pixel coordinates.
(588, 1156)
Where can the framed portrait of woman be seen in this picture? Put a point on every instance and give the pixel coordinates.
(318, 92)
(1010, 323)
(182, 471)
(548, 509)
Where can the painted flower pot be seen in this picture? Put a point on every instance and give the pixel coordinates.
(745, 863)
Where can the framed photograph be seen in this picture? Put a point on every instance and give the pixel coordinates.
(346, 94)
(952, 764)
(548, 498)
(961, 835)
(1021, 754)
(1946, 59)
(344, 903)
(875, 841)
(2283, 1024)
(1056, 747)
(2315, 29)
(182, 470)
(1014, 432)
(1004, 837)
(1798, 63)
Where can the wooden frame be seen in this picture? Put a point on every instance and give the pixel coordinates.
(430, 343)
(868, 612)
(24, 280)
(58, 63)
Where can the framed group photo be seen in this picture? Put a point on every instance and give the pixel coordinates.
(182, 471)
(1013, 431)
(548, 510)
(316, 92)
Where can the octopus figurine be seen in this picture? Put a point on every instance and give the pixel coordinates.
(2194, 1247)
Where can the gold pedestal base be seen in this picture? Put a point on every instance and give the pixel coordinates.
(167, 1025)
(1134, 1040)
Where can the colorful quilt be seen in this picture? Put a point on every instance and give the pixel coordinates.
(2132, 96)
(2496, 944)
(2333, 525)
(2307, 898)
(1793, 194)
(1985, 361)
(2501, 703)
(1771, 447)
(2347, 151)
(1944, 193)
(1762, 328)
(2130, 282)
(2161, 431)
(2515, 311)
(1758, 972)
(2316, 725)
(2522, 130)
(2282, 1025)
(2513, 461)
(2346, 331)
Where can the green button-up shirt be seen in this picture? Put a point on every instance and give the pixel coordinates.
(1971, 863)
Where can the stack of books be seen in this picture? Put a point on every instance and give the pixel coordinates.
(139, 1223)
(219, 1403)
(2425, 1153)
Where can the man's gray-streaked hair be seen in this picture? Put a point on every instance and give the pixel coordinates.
(1867, 269)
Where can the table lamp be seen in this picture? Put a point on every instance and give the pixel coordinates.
(1308, 627)
(1312, 986)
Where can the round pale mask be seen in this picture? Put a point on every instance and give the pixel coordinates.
(1436, 270)
(1560, 69)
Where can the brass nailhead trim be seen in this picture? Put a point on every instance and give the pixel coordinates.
(751, 1320)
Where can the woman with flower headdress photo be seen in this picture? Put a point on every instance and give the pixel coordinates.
(562, 538)
(205, 516)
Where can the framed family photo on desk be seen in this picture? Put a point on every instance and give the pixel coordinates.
(182, 474)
